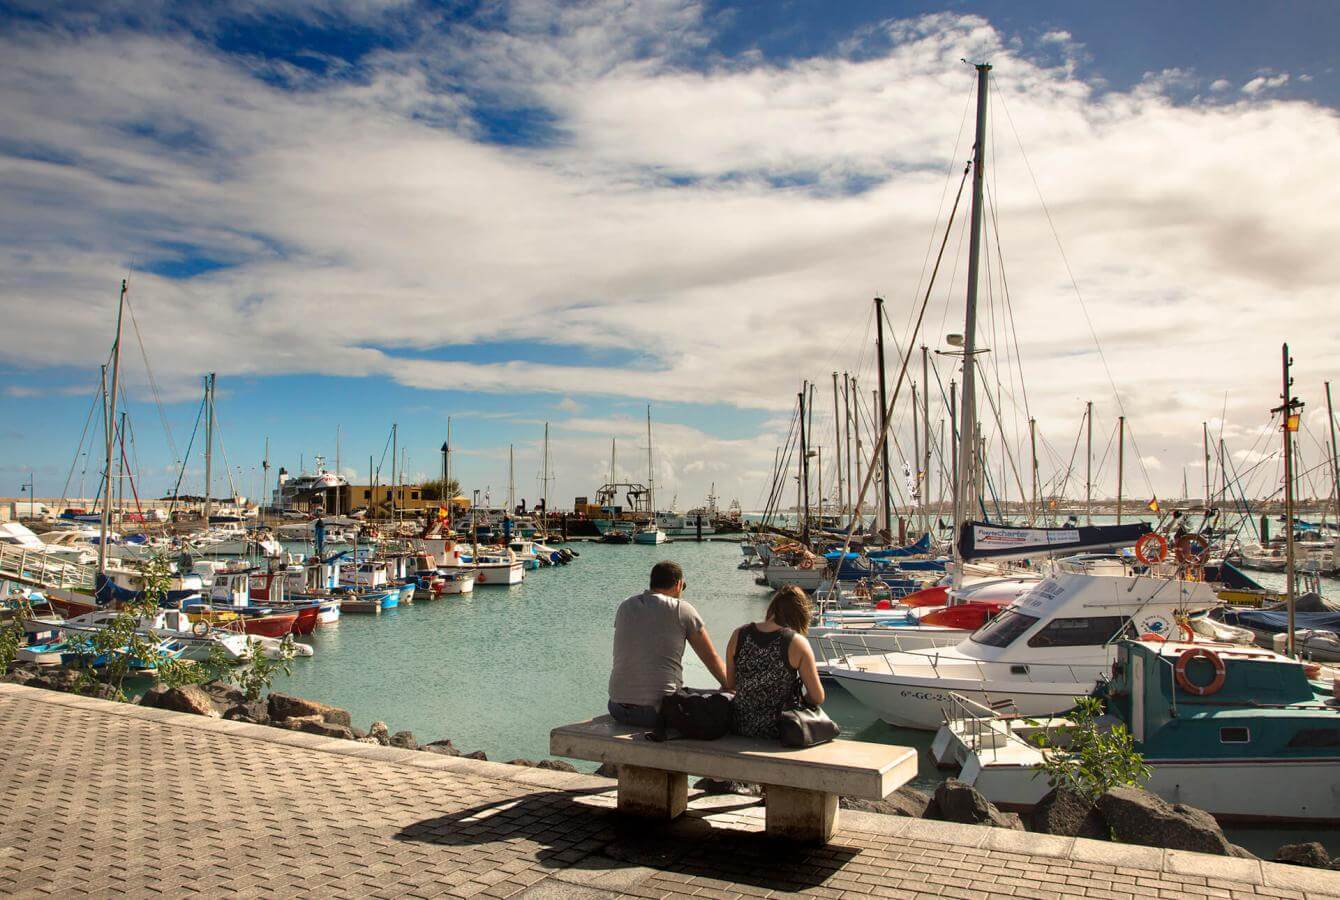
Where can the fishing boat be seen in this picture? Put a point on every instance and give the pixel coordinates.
(1243, 733)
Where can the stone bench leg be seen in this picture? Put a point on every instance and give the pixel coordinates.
(809, 816)
(652, 793)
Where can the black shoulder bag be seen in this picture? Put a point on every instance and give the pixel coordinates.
(695, 713)
(801, 724)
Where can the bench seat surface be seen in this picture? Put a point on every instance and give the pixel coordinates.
(850, 768)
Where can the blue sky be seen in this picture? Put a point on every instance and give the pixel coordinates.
(379, 211)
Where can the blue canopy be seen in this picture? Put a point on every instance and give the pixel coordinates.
(1276, 621)
(922, 545)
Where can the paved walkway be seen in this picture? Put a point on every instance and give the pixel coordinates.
(102, 798)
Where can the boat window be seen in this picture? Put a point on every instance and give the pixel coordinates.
(1004, 628)
(1081, 632)
(1234, 735)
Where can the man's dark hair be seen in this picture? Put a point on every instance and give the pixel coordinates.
(666, 575)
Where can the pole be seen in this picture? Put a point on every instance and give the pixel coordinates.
(916, 454)
(1088, 465)
(447, 450)
(209, 446)
(968, 410)
(544, 464)
(1205, 448)
(883, 414)
(925, 480)
(511, 479)
(854, 424)
(846, 423)
(953, 455)
(338, 509)
(837, 433)
(1033, 443)
(1121, 461)
(1335, 455)
(395, 451)
(108, 427)
(804, 502)
(1286, 411)
(820, 461)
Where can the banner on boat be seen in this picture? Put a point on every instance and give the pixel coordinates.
(979, 540)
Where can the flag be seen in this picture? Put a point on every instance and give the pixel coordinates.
(1153, 505)
(1291, 422)
(441, 512)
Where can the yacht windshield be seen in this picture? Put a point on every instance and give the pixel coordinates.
(1004, 628)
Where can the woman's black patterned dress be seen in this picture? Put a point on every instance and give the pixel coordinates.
(765, 683)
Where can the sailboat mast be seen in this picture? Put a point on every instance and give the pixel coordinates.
(511, 479)
(1088, 464)
(925, 480)
(846, 424)
(651, 478)
(954, 453)
(883, 415)
(804, 503)
(1205, 449)
(209, 446)
(1335, 455)
(545, 466)
(337, 469)
(395, 452)
(1033, 445)
(837, 434)
(1121, 461)
(265, 479)
(968, 404)
(916, 452)
(854, 424)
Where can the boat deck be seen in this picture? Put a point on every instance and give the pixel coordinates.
(118, 799)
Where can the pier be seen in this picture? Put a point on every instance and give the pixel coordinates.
(109, 798)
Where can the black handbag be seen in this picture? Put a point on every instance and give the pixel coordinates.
(695, 713)
(805, 726)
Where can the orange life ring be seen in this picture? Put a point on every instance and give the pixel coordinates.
(1192, 549)
(806, 563)
(1151, 549)
(1189, 636)
(1199, 690)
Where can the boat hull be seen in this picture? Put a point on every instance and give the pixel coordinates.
(499, 575)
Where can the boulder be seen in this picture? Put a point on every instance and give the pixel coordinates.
(20, 675)
(607, 770)
(256, 712)
(556, 765)
(1311, 853)
(443, 747)
(188, 699)
(1067, 812)
(528, 763)
(368, 740)
(379, 731)
(959, 802)
(477, 754)
(316, 725)
(56, 680)
(905, 801)
(223, 694)
(1136, 816)
(286, 706)
(404, 740)
(103, 691)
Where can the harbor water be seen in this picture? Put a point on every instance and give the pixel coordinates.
(496, 670)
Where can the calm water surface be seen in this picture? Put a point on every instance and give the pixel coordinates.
(497, 670)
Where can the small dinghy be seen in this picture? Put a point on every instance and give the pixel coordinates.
(1321, 646)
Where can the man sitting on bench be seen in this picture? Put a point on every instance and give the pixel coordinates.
(650, 630)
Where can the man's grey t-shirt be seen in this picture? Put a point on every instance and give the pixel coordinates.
(650, 630)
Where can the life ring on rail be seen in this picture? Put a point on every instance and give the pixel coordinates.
(200, 628)
(1192, 549)
(806, 563)
(1200, 690)
(1151, 549)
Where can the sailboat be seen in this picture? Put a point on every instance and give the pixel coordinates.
(650, 533)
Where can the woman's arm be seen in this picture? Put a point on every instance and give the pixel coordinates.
(730, 661)
(801, 657)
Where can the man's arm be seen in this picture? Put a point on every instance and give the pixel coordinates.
(702, 645)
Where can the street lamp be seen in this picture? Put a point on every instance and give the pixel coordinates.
(32, 496)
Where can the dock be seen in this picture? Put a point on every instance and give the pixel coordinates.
(110, 798)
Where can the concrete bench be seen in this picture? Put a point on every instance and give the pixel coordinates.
(802, 786)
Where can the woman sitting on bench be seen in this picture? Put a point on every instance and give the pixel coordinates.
(767, 663)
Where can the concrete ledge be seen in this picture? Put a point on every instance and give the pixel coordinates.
(1184, 862)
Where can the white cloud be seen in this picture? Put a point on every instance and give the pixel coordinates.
(1220, 84)
(730, 219)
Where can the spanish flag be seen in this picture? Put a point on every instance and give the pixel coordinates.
(1153, 505)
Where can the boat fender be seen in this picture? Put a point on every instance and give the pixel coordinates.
(1200, 690)
(1151, 549)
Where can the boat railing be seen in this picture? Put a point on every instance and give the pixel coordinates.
(985, 671)
(41, 568)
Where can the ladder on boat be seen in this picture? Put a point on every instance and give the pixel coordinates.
(41, 569)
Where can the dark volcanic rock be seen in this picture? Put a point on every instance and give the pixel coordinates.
(1067, 812)
(528, 763)
(477, 754)
(905, 801)
(1311, 853)
(223, 694)
(607, 770)
(1139, 817)
(720, 786)
(56, 680)
(404, 740)
(286, 706)
(444, 747)
(959, 802)
(556, 765)
(379, 731)
(20, 675)
(255, 712)
(317, 725)
(189, 699)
